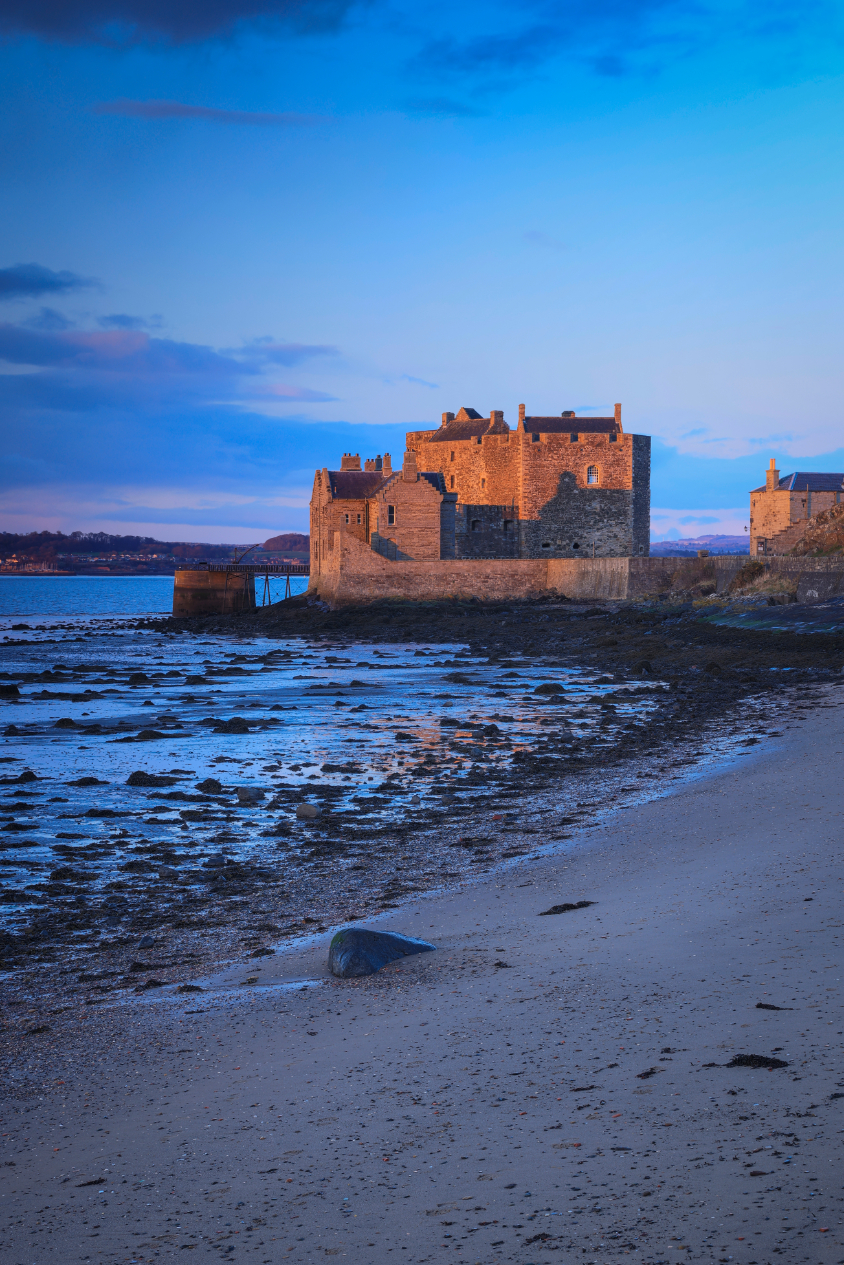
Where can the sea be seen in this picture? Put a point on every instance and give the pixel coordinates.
(134, 759)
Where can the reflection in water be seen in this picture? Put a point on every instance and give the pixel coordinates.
(230, 736)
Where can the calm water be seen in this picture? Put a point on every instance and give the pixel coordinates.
(91, 596)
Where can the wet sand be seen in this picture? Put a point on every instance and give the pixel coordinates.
(455, 1108)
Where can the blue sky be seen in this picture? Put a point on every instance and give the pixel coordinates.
(239, 238)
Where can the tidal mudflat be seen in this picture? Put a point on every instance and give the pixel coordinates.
(653, 1072)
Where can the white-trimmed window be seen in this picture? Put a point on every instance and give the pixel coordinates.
(592, 475)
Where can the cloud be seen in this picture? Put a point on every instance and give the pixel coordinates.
(48, 318)
(267, 351)
(120, 320)
(180, 110)
(419, 382)
(171, 21)
(612, 38)
(24, 281)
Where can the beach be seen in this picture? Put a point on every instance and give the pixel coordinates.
(451, 1107)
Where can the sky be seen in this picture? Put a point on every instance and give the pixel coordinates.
(241, 237)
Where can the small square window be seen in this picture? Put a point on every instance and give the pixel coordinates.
(391, 515)
(534, 439)
(613, 439)
(573, 438)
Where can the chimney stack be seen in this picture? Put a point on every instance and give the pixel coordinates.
(447, 417)
(618, 416)
(496, 417)
(350, 461)
(522, 416)
(408, 470)
(772, 477)
(388, 464)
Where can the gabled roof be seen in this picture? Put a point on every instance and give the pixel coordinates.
(467, 425)
(807, 481)
(573, 425)
(436, 480)
(354, 485)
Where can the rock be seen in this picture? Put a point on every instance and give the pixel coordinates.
(306, 812)
(12, 731)
(167, 872)
(65, 723)
(88, 781)
(565, 908)
(9, 691)
(550, 687)
(140, 778)
(355, 951)
(138, 678)
(210, 786)
(215, 862)
(26, 776)
(250, 794)
(146, 942)
(138, 867)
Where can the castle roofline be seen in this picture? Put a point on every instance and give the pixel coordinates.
(354, 485)
(808, 481)
(562, 425)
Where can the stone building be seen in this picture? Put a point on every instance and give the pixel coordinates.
(554, 487)
(780, 510)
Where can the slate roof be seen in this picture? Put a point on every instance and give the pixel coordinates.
(434, 477)
(807, 481)
(572, 425)
(469, 427)
(355, 485)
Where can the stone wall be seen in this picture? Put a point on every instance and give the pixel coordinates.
(213, 592)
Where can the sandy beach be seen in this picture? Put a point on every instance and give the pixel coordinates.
(575, 1100)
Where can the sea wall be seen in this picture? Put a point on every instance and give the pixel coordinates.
(353, 574)
(213, 592)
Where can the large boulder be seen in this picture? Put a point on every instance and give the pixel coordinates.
(356, 951)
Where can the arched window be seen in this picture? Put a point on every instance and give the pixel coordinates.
(592, 474)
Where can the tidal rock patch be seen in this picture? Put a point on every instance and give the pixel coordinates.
(566, 907)
(356, 951)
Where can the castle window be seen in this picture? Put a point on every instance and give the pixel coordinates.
(452, 457)
(576, 545)
(452, 478)
(613, 439)
(358, 518)
(546, 544)
(573, 438)
(479, 438)
(592, 474)
(483, 483)
(534, 439)
(508, 524)
(475, 524)
(346, 517)
(391, 515)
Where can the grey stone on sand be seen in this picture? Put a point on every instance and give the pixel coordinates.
(210, 786)
(306, 812)
(356, 951)
(250, 794)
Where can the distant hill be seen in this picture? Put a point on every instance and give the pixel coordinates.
(288, 542)
(715, 544)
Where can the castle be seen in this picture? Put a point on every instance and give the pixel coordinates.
(779, 512)
(475, 490)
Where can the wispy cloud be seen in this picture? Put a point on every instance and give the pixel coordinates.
(122, 320)
(419, 382)
(25, 281)
(158, 109)
(177, 22)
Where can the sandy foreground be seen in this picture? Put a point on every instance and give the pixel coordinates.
(453, 1108)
